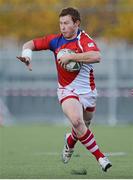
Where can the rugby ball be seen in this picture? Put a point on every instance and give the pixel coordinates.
(72, 65)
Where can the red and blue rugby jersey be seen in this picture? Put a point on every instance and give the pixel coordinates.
(82, 80)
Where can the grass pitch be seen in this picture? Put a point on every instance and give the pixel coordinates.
(34, 152)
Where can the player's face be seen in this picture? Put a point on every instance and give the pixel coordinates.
(68, 28)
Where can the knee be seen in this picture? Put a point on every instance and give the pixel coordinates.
(88, 121)
(77, 122)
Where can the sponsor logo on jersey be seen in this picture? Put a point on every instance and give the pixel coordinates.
(91, 44)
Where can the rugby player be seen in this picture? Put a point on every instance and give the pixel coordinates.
(76, 91)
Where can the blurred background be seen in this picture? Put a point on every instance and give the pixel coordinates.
(30, 97)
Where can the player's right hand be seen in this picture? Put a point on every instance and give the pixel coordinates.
(26, 61)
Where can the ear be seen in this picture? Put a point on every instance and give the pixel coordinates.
(77, 23)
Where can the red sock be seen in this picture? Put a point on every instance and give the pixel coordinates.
(89, 142)
(74, 135)
(72, 139)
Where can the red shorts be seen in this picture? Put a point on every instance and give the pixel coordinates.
(88, 100)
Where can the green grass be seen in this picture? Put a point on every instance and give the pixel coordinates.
(34, 152)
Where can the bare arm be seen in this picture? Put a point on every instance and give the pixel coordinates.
(29, 45)
(89, 57)
(26, 56)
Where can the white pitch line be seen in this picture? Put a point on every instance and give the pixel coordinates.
(115, 154)
(78, 154)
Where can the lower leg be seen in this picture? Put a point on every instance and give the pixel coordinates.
(89, 142)
(72, 139)
(74, 111)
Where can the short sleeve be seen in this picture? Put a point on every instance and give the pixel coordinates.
(43, 43)
(88, 44)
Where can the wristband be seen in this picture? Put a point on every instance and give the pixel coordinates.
(27, 53)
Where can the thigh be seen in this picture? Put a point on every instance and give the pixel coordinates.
(70, 103)
(73, 109)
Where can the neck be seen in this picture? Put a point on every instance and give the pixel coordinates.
(74, 35)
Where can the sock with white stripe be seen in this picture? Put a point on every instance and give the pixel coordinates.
(89, 142)
(72, 139)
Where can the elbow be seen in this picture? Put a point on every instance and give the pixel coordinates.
(97, 58)
(26, 45)
(29, 45)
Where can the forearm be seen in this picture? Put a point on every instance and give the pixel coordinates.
(87, 57)
(27, 49)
